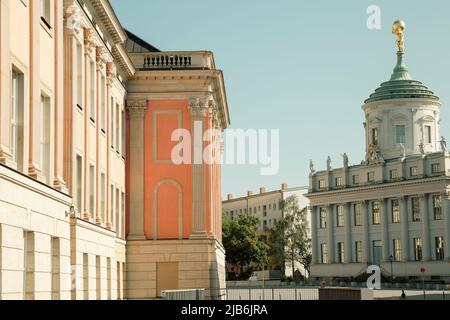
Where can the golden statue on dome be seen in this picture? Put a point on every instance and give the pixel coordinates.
(398, 28)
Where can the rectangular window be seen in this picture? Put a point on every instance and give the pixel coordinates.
(79, 76)
(356, 179)
(371, 176)
(324, 252)
(124, 133)
(418, 249)
(323, 218)
(397, 250)
(357, 214)
(118, 128)
(439, 243)
(414, 171)
(437, 207)
(321, 184)
(122, 217)
(17, 110)
(92, 191)
(394, 174)
(44, 136)
(339, 182)
(79, 177)
(118, 211)
(264, 211)
(103, 197)
(92, 86)
(340, 216)
(435, 168)
(46, 12)
(427, 133)
(376, 217)
(395, 211)
(111, 123)
(375, 136)
(102, 99)
(400, 133)
(111, 205)
(415, 206)
(265, 225)
(341, 255)
(274, 206)
(358, 252)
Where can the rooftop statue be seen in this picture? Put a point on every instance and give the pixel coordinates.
(398, 28)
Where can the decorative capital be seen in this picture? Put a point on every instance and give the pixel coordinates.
(200, 106)
(137, 108)
(111, 72)
(89, 43)
(73, 18)
(101, 57)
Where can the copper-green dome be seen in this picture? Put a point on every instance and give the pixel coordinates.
(401, 85)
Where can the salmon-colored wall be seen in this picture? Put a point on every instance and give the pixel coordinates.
(171, 181)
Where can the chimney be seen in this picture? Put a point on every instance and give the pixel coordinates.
(262, 190)
(284, 186)
(230, 197)
(250, 193)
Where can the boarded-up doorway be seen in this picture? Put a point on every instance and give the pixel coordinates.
(166, 276)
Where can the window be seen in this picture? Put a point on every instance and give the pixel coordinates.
(321, 184)
(418, 249)
(102, 99)
(118, 128)
(111, 205)
(17, 109)
(92, 190)
(376, 218)
(437, 207)
(274, 206)
(54, 263)
(415, 205)
(340, 216)
(435, 168)
(118, 212)
(111, 123)
(394, 174)
(270, 206)
(46, 12)
(375, 136)
(395, 211)
(356, 179)
(427, 133)
(324, 252)
(124, 133)
(264, 211)
(122, 217)
(79, 76)
(397, 250)
(400, 133)
(357, 214)
(358, 252)
(439, 242)
(414, 171)
(92, 90)
(103, 197)
(265, 225)
(341, 255)
(371, 176)
(245, 211)
(79, 177)
(44, 136)
(339, 182)
(323, 218)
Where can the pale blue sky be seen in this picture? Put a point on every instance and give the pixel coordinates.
(304, 67)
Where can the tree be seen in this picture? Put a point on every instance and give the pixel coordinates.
(290, 238)
(242, 244)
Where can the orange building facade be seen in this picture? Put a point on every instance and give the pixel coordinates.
(176, 111)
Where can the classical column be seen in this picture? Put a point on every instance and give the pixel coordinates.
(404, 229)
(425, 227)
(384, 229)
(314, 215)
(446, 215)
(199, 108)
(348, 234)
(136, 111)
(330, 230)
(365, 225)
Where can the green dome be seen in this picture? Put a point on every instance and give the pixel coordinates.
(401, 85)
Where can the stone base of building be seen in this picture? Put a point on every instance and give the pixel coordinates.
(434, 270)
(98, 262)
(155, 266)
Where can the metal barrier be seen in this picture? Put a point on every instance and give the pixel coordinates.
(192, 294)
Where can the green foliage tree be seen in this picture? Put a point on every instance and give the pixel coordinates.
(290, 242)
(243, 246)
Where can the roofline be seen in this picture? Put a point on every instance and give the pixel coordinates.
(141, 42)
(264, 194)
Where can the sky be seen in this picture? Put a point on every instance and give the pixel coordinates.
(303, 67)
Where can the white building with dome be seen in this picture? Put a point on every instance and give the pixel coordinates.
(394, 206)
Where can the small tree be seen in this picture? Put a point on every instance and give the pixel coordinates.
(242, 244)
